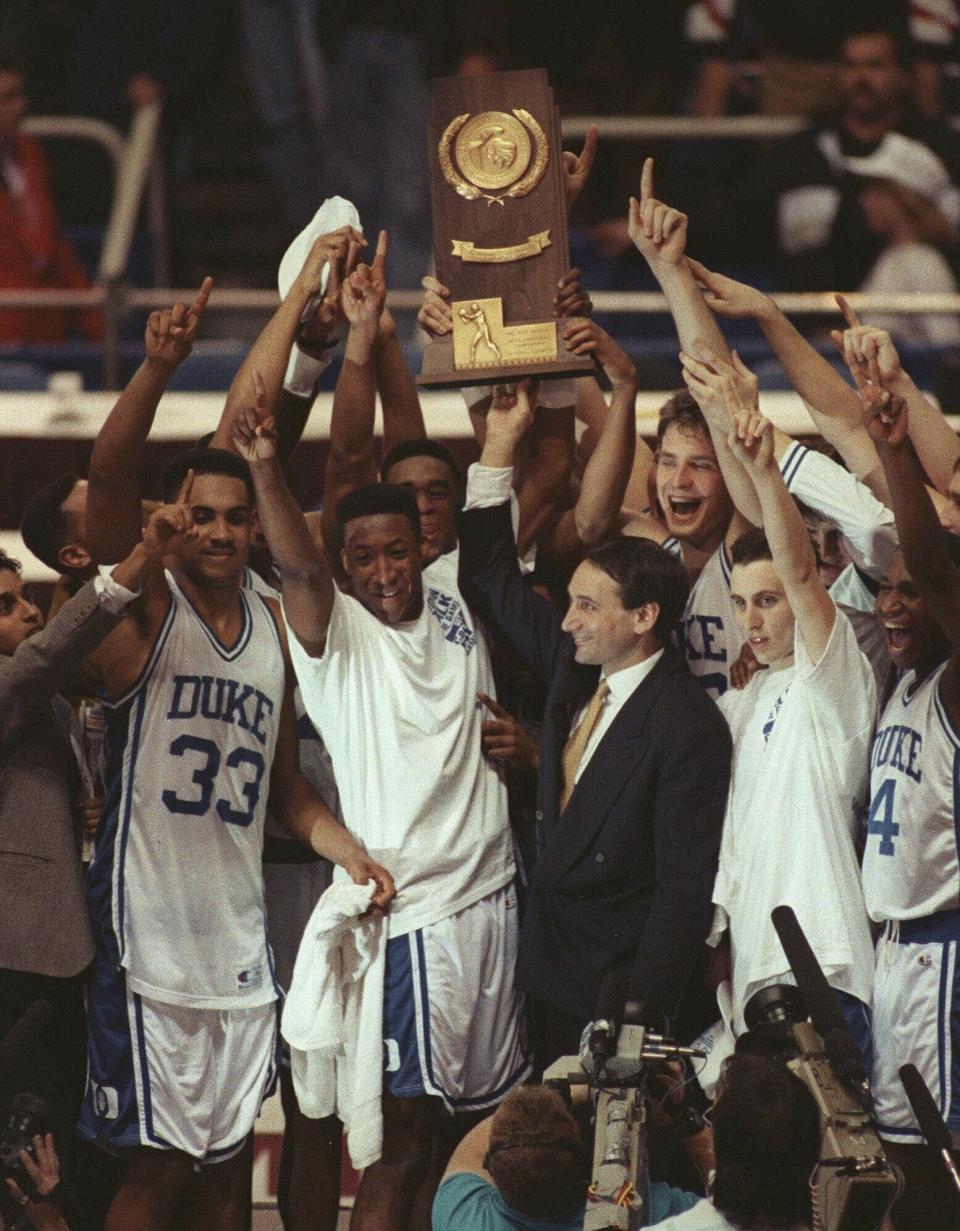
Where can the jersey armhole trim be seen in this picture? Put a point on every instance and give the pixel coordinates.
(116, 703)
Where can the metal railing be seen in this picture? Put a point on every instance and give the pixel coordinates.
(138, 172)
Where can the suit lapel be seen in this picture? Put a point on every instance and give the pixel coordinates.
(608, 770)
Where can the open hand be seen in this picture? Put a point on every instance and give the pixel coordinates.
(169, 335)
(341, 250)
(585, 337)
(727, 297)
(658, 230)
(571, 299)
(719, 387)
(435, 316)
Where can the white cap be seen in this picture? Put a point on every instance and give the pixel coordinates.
(913, 165)
(334, 213)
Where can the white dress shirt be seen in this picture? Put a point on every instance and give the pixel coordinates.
(623, 684)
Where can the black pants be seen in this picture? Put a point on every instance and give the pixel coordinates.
(52, 1063)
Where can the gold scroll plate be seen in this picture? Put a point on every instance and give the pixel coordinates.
(481, 340)
(493, 150)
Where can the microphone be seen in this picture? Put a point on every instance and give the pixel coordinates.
(602, 1043)
(929, 1118)
(19, 1041)
(838, 1043)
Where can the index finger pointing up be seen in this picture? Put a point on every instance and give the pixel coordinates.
(646, 180)
(206, 286)
(380, 257)
(848, 313)
(186, 487)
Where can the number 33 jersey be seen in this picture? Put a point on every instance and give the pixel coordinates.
(176, 887)
(910, 863)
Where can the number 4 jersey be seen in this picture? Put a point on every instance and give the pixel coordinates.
(176, 888)
(910, 864)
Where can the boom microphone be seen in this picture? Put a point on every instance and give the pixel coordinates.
(930, 1121)
(838, 1043)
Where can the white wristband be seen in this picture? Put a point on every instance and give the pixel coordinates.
(303, 372)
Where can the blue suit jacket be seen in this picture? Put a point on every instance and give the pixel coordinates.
(624, 875)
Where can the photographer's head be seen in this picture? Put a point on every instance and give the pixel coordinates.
(766, 1136)
(536, 1157)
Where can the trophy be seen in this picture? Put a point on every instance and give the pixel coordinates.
(499, 229)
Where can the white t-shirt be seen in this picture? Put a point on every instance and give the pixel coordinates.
(912, 268)
(854, 599)
(397, 709)
(911, 863)
(801, 740)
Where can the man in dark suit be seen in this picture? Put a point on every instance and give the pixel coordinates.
(634, 760)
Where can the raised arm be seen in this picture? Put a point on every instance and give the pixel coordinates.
(308, 590)
(723, 390)
(402, 413)
(660, 234)
(114, 519)
(833, 405)
(287, 332)
(928, 562)
(350, 461)
(611, 459)
(796, 565)
(873, 360)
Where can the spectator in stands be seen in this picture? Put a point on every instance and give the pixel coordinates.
(33, 253)
(794, 44)
(803, 199)
(900, 209)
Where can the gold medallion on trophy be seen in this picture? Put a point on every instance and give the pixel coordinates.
(493, 150)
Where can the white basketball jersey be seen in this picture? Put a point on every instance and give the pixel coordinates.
(709, 633)
(177, 874)
(910, 864)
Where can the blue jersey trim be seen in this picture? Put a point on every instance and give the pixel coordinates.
(945, 720)
(273, 621)
(725, 565)
(792, 462)
(246, 628)
(127, 792)
(116, 703)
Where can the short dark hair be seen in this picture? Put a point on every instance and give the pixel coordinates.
(13, 59)
(8, 563)
(766, 1135)
(536, 1156)
(682, 410)
(44, 526)
(750, 546)
(645, 573)
(374, 499)
(204, 461)
(422, 448)
(861, 25)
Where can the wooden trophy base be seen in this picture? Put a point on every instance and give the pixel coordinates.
(441, 371)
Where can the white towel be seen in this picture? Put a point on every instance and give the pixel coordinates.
(333, 1017)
